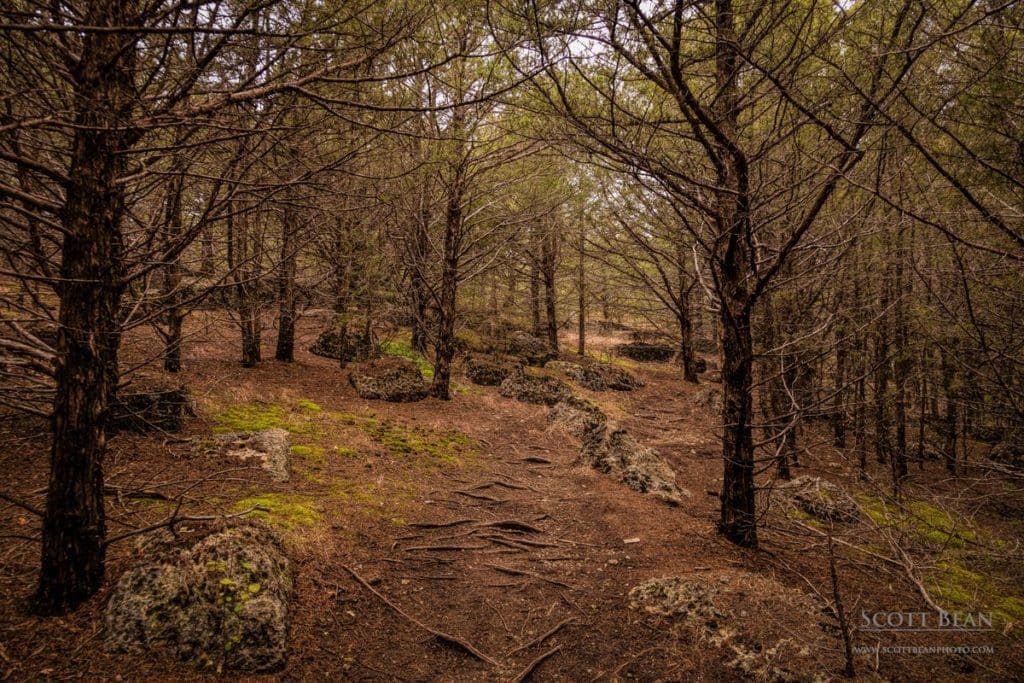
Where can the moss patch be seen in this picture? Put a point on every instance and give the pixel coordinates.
(402, 347)
(251, 417)
(284, 510)
(439, 448)
(308, 406)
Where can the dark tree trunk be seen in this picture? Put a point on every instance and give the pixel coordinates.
(951, 416)
(286, 288)
(445, 347)
(687, 358)
(74, 526)
(549, 262)
(839, 392)
(901, 373)
(881, 382)
(738, 521)
(417, 286)
(534, 298)
(581, 290)
(175, 315)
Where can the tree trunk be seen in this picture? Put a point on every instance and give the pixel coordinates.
(534, 298)
(549, 263)
(74, 525)
(286, 288)
(687, 357)
(417, 285)
(581, 290)
(445, 347)
(739, 521)
(175, 315)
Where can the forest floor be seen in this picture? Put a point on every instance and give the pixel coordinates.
(550, 591)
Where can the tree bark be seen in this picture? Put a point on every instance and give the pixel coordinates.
(175, 315)
(549, 263)
(445, 346)
(581, 290)
(74, 525)
(285, 350)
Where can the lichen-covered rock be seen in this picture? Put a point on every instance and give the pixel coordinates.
(533, 350)
(488, 372)
(579, 416)
(391, 378)
(269, 448)
(351, 347)
(641, 351)
(216, 596)
(613, 451)
(151, 406)
(541, 390)
(676, 596)
(709, 398)
(598, 376)
(819, 498)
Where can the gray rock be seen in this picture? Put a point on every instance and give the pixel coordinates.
(541, 390)
(642, 351)
(391, 378)
(613, 451)
(818, 498)
(489, 372)
(533, 350)
(151, 406)
(216, 596)
(710, 398)
(353, 348)
(579, 416)
(269, 448)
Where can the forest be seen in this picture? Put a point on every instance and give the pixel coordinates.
(512, 340)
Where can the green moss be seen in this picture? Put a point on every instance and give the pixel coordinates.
(308, 406)
(803, 517)
(282, 509)
(402, 347)
(314, 455)
(345, 452)
(251, 417)
(1010, 610)
(439, 448)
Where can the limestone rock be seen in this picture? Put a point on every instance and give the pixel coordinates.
(533, 350)
(355, 348)
(642, 351)
(151, 406)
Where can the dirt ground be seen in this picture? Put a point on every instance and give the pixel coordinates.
(475, 518)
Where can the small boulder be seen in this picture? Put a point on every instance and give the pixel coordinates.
(709, 398)
(533, 350)
(151, 406)
(351, 348)
(819, 498)
(614, 451)
(541, 390)
(598, 376)
(642, 351)
(579, 416)
(216, 596)
(488, 372)
(391, 378)
(269, 448)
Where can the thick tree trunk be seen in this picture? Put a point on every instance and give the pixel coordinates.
(74, 526)
(285, 350)
(534, 298)
(738, 521)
